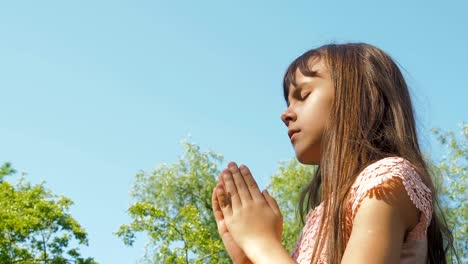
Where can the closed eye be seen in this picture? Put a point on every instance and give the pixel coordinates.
(303, 97)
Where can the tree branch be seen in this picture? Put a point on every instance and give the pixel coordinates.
(183, 239)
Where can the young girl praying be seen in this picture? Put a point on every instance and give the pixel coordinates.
(371, 200)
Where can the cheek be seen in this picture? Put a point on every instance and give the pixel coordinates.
(316, 115)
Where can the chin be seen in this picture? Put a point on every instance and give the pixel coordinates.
(308, 159)
(308, 154)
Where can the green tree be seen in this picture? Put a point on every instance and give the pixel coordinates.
(35, 224)
(451, 175)
(286, 186)
(173, 208)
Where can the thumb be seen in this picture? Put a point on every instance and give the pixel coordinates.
(271, 202)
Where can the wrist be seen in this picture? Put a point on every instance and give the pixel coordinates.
(268, 252)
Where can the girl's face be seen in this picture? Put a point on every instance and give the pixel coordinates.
(309, 104)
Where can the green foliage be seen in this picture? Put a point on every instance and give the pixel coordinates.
(35, 225)
(286, 186)
(6, 170)
(451, 175)
(173, 208)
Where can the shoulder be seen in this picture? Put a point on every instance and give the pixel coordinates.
(395, 182)
(387, 168)
(386, 204)
(380, 225)
(391, 174)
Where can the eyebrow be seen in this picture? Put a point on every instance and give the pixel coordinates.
(300, 86)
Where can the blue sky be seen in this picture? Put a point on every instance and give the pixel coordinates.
(94, 91)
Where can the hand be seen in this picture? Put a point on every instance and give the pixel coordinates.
(253, 218)
(235, 252)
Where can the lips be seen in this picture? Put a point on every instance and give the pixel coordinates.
(292, 132)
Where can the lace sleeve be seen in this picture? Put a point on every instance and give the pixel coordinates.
(379, 173)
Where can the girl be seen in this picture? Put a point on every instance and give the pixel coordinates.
(349, 112)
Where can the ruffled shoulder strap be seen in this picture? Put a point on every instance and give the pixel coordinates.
(382, 171)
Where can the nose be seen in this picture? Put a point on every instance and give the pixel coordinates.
(288, 115)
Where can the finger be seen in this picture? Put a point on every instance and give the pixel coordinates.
(222, 197)
(251, 183)
(220, 179)
(222, 228)
(272, 203)
(218, 214)
(242, 189)
(224, 201)
(219, 217)
(231, 190)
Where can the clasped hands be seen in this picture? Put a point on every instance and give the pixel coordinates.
(249, 221)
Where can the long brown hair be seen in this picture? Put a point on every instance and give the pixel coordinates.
(367, 83)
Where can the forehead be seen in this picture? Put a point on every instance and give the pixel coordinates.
(318, 69)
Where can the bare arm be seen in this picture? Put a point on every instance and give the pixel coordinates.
(380, 225)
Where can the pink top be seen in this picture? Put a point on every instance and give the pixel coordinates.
(414, 248)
